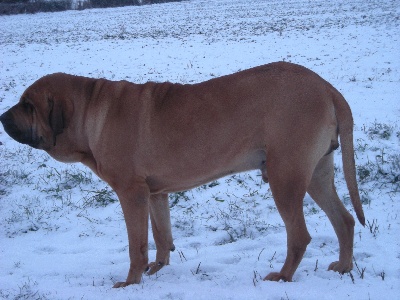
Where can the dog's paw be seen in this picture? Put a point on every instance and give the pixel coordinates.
(162, 259)
(121, 284)
(154, 267)
(134, 277)
(342, 268)
(276, 276)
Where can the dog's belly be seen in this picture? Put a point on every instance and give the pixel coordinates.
(180, 179)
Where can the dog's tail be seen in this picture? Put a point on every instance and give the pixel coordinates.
(345, 126)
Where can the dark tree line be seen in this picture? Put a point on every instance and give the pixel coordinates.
(10, 7)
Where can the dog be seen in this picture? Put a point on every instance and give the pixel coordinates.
(148, 140)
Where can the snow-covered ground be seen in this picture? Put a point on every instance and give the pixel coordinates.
(62, 233)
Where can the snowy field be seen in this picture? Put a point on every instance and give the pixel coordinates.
(62, 233)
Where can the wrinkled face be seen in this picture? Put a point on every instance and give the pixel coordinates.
(36, 120)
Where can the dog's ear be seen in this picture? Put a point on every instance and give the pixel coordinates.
(59, 114)
(56, 118)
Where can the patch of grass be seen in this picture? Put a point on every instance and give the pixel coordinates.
(380, 131)
(353, 79)
(382, 275)
(373, 227)
(59, 184)
(384, 168)
(365, 171)
(100, 198)
(27, 215)
(28, 290)
(384, 171)
(239, 219)
(175, 198)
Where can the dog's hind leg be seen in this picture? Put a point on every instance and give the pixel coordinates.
(322, 190)
(161, 225)
(288, 180)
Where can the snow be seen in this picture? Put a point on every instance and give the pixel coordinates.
(62, 231)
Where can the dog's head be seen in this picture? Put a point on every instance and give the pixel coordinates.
(41, 114)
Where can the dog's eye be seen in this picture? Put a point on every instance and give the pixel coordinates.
(27, 107)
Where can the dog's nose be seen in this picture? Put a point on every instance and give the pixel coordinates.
(12, 129)
(4, 117)
(8, 123)
(7, 120)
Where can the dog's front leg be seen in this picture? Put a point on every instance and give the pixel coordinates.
(161, 225)
(135, 206)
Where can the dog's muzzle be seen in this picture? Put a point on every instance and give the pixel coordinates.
(21, 136)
